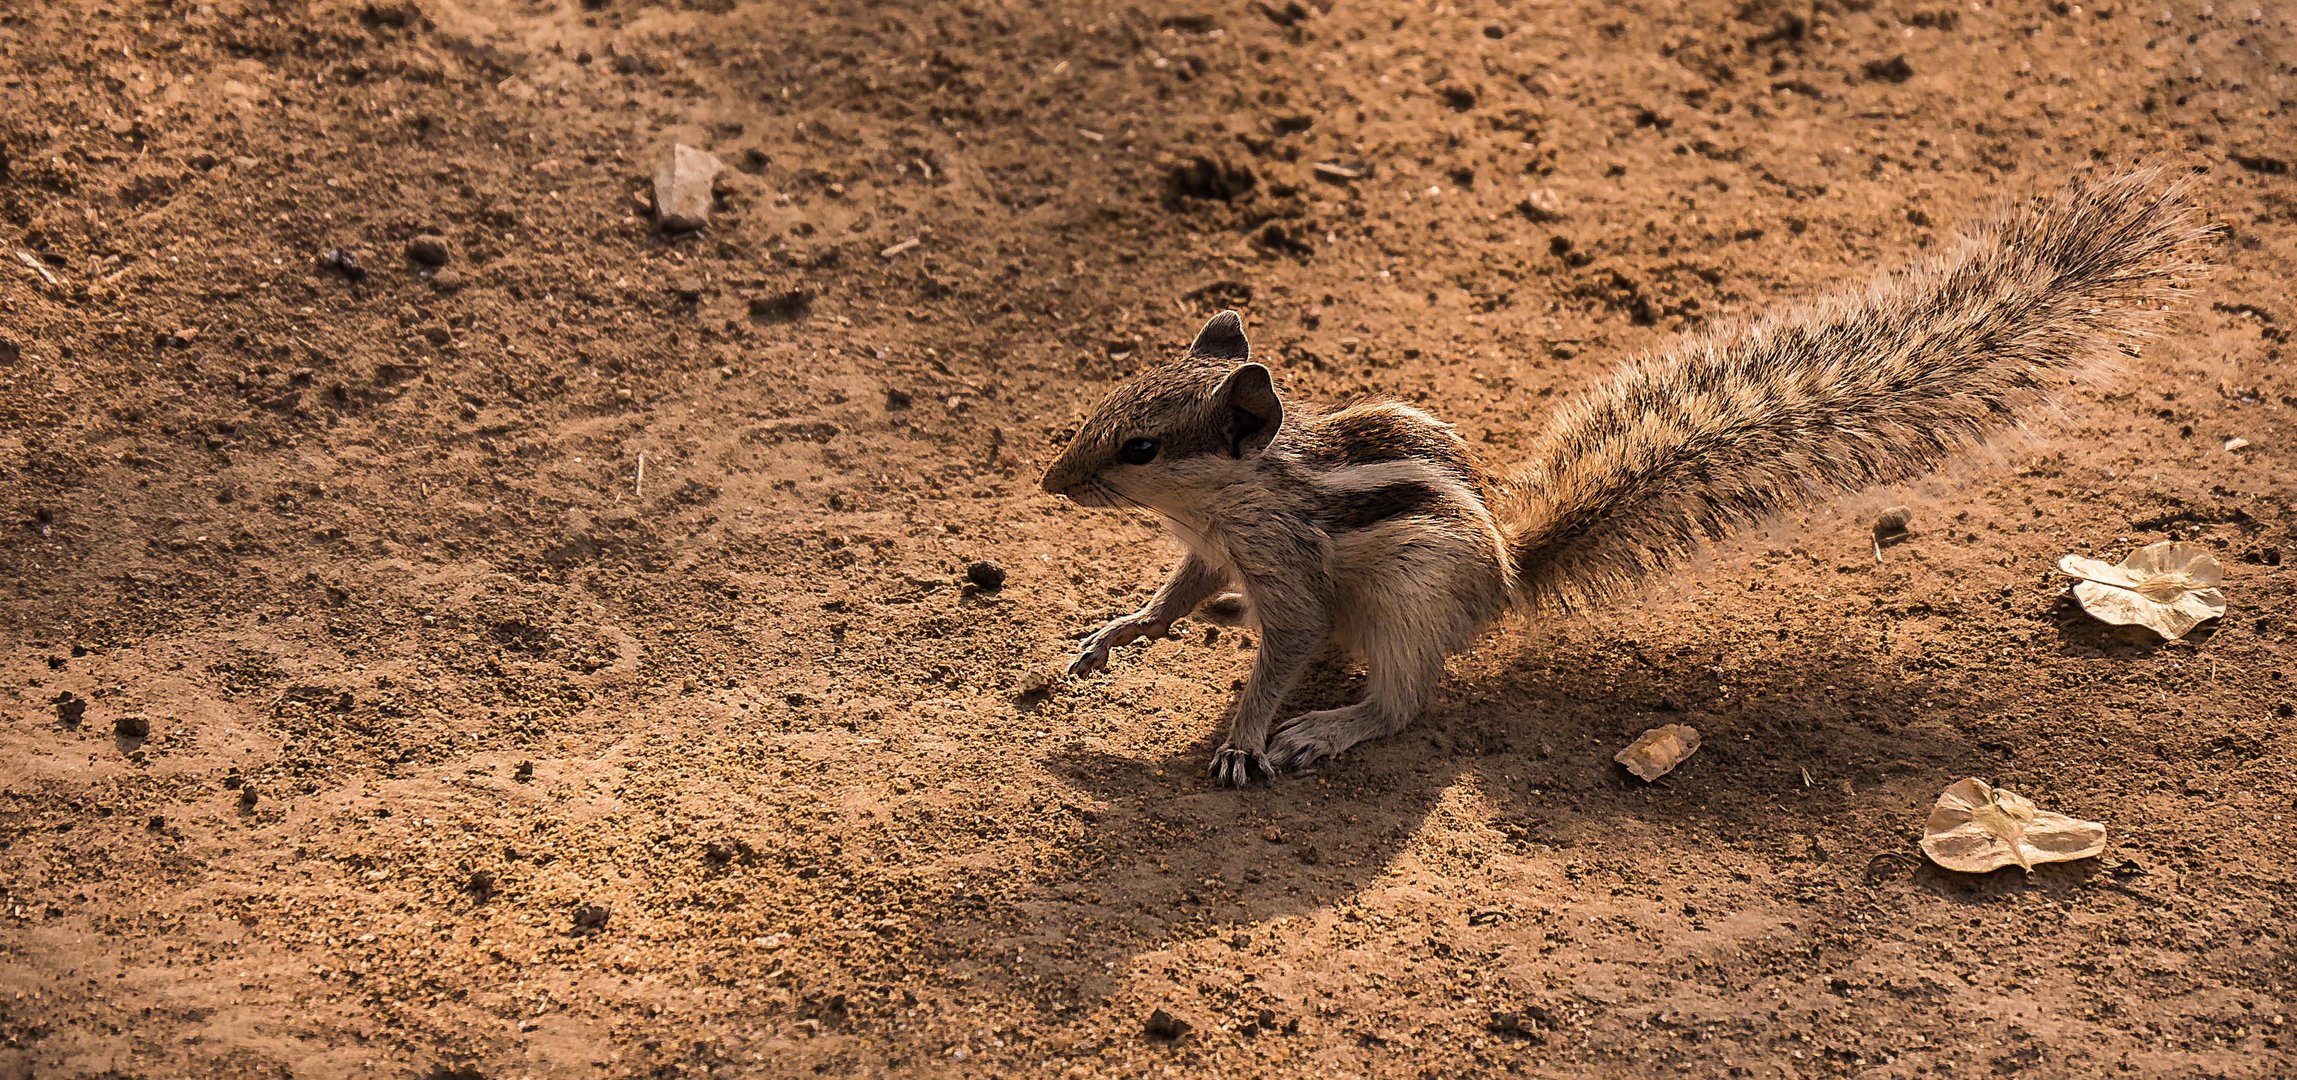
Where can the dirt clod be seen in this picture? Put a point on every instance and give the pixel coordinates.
(1530, 1023)
(985, 575)
(788, 305)
(591, 918)
(1894, 70)
(1208, 178)
(728, 852)
(132, 727)
(71, 708)
(1165, 1027)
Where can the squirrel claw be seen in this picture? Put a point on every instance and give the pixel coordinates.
(1235, 767)
(1117, 634)
(1091, 660)
(1293, 751)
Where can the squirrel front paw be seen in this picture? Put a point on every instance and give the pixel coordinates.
(1236, 767)
(1093, 655)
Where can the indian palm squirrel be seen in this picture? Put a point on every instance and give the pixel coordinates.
(1373, 527)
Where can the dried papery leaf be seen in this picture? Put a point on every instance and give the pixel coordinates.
(1976, 827)
(2169, 587)
(1656, 752)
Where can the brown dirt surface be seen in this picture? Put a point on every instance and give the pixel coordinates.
(470, 753)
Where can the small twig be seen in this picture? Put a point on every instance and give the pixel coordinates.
(641, 474)
(32, 262)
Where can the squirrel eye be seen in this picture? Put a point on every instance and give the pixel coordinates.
(1137, 451)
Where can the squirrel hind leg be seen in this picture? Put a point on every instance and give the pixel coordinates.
(1420, 590)
(1400, 673)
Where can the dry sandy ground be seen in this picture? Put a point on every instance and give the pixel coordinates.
(434, 682)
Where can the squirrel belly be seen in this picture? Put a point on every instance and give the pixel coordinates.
(1373, 528)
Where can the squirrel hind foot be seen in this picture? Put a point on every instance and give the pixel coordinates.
(1312, 737)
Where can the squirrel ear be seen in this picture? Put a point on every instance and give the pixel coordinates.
(1251, 409)
(1222, 338)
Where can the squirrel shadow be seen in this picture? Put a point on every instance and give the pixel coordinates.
(1167, 858)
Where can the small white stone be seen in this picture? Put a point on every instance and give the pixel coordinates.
(682, 188)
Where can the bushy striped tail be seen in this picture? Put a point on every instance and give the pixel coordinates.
(1868, 387)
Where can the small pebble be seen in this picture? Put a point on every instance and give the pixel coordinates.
(70, 708)
(682, 185)
(1892, 524)
(247, 796)
(345, 263)
(131, 727)
(429, 249)
(986, 576)
(1541, 205)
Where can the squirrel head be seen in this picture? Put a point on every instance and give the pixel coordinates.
(1171, 434)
